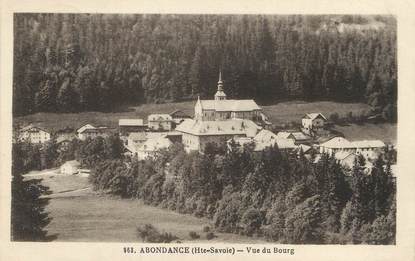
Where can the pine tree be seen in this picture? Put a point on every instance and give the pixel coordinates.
(28, 216)
(303, 223)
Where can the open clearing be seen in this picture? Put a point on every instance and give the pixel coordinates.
(105, 219)
(79, 214)
(384, 131)
(283, 112)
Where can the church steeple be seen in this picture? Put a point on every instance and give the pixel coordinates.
(220, 94)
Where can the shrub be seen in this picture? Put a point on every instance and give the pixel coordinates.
(334, 117)
(252, 220)
(148, 233)
(194, 235)
(206, 229)
(210, 235)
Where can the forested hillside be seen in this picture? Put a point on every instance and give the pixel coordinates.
(84, 62)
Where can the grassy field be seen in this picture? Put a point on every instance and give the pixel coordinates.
(283, 112)
(56, 121)
(59, 183)
(386, 132)
(96, 218)
(80, 214)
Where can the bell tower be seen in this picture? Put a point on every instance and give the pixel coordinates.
(220, 94)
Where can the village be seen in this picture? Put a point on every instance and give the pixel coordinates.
(219, 121)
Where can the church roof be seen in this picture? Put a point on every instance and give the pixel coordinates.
(229, 127)
(229, 105)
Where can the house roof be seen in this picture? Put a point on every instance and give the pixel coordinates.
(137, 136)
(229, 105)
(314, 115)
(264, 143)
(159, 117)
(130, 122)
(33, 127)
(299, 136)
(268, 138)
(179, 114)
(285, 143)
(265, 135)
(143, 136)
(60, 139)
(283, 134)
(304, 148)
(340, 142)
(336, 142)
(228, 127)
(368, 144)
(155, 144)
(341, 155)
(90, 130)
(84, 127)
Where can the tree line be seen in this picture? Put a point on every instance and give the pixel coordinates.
(79, 62)
(273, 194)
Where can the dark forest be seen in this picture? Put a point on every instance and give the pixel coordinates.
(97, 62)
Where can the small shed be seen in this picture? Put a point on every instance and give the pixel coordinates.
(70, 167)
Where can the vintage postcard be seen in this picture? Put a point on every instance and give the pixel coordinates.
(224, 130)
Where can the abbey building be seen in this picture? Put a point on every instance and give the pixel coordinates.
(220, 108)
(219, 120)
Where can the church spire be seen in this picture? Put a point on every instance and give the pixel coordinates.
(220, 83)
(220, 94)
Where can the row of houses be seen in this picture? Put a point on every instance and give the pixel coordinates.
(155, 122)
(221, 122)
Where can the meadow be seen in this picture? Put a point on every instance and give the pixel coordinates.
(284, 112)
(96, 218)
(80, 214)
(280, 113)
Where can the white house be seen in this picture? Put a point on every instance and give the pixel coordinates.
(267, 138)
(370, 149)
(346, 158)
(126, 126)
(89, 131)
(179, 116)
(70, 167)
(297, 136)
(313, 122)
(34, 134)
(151, 146)
(160, 122)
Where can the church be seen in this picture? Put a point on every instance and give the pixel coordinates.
(219, 120)
(223, 109)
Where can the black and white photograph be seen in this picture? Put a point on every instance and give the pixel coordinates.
(204, 128)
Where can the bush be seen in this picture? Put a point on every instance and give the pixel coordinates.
(206, 229)
(148, 233)
(194, 235)
(334, 117)
(252, 220)
(210, 235)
